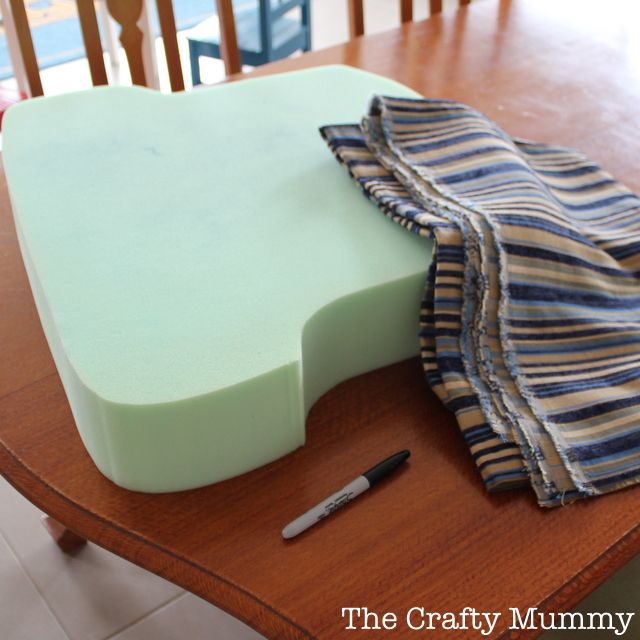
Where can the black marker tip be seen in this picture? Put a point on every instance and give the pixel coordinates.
(384, 468)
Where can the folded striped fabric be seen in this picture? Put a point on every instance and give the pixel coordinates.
(530, 324)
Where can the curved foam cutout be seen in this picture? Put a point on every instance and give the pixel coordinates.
(203, 269)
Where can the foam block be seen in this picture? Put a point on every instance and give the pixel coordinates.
(203, 268)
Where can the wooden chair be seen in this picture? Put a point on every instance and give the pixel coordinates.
(356, 13)
(265, 30)
(127, 14)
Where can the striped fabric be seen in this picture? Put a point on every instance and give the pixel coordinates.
(530, 324)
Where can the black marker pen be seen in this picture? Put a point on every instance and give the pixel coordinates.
(345, 495)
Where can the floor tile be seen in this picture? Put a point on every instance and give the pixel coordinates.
(189, 617)
(23, 613)
(93, 593)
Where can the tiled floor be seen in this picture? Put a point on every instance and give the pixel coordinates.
(94, 595)
(91, 594)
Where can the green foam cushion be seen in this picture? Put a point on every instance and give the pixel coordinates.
(203, 268)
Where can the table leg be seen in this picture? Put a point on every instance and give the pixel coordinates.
(67, 540)
(194, 58)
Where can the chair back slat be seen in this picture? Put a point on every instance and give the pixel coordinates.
(25, 43)
(228, 37)
(171, 51)
(406, 10)
(356, 13)
(127, 14)
(91, 39)
(356, 18)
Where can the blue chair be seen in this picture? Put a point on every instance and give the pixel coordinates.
(265, 31)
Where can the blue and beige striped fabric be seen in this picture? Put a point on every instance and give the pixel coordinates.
(530, 324)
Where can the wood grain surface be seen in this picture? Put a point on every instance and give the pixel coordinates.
(430, 536)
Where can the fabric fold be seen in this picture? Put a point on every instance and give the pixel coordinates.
(530, 323)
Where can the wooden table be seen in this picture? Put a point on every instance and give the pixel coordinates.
(567, 72)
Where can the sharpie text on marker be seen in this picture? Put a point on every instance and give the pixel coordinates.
(345, 495)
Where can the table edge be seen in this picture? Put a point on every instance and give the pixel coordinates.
(233, 598)
(230, 597)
